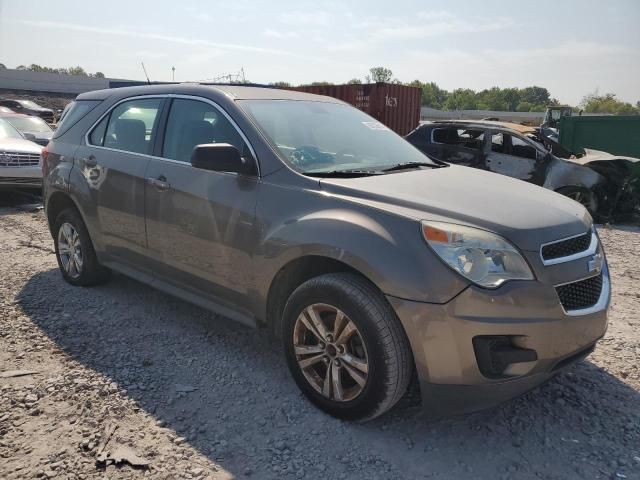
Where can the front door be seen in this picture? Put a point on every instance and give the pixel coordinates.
(114, 162)
(515, 157)
(200, 224)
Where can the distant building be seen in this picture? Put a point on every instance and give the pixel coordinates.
(26, 81)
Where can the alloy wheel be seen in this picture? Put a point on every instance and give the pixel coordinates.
(70, 250)
(330, 352)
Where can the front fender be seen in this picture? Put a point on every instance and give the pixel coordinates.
(564, 173)
(387, 249)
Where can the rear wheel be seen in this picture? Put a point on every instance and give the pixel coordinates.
(584, 197)
(74, 251)
(345, 346)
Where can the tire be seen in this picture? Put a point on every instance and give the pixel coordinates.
(583, 196)
(378, 339)
(81, 268)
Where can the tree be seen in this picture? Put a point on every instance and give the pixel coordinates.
(320, 84)
(281, 84)
(524, 107)
(99, 75)
(381, 74)
(492, 99)
(535, 95)
(354, 81)
(21, 67)
(607, 103)
(77, 71)
(461, 99)
(3, 66)
(432, 95)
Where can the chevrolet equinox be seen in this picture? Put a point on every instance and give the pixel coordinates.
(301, 214)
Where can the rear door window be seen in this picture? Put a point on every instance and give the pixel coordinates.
(73, 113)
(131, 126)
(459, 137)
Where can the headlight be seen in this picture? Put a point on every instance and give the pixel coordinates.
(483, 257)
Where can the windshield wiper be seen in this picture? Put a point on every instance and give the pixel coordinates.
(407, 165)
(343, 173)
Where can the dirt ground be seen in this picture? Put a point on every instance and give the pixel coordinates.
(197, 396)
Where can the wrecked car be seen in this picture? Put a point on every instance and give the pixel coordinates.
(604, 184)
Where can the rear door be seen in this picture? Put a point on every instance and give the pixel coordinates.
(458, 145)
(113, 163)
(200, 224)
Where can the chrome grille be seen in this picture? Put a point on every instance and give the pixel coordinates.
(581, 294)
(566, 248)
(19, 159)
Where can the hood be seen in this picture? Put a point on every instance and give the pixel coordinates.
(597, 155)
(523, 213)
(19, 145)
(38, 134)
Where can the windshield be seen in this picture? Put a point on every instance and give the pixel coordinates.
(29, 104)
(29, 124)
(316, 137)
(7, 131)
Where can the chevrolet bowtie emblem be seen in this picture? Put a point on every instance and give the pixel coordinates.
(595, 264)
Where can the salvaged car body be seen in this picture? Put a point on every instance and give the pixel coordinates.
(28, 107)
(20, 159)
(604, 184)
(32, 128)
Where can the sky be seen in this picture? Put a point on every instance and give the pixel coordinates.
(571, 47)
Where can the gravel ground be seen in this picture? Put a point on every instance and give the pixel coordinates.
(197, 396)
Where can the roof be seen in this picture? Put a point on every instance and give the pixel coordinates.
(236, 92)
(523, 129)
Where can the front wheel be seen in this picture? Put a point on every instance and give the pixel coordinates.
(583, 196)
(345, 347)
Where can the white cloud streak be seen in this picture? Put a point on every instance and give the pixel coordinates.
(155, 36)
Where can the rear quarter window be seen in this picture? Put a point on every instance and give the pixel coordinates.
(73, 113)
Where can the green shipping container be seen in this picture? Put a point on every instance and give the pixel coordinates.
(618, 135)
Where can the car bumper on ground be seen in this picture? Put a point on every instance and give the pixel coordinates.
(522, 324)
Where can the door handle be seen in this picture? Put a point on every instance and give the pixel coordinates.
(160, 183)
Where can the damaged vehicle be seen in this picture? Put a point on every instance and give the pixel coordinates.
(608, 186)
(301, 214)
(20, 159)
(32, 128)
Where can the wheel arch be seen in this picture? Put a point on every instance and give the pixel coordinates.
(56, 203)
(295, 273)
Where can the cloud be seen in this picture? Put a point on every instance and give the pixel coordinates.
(199, 15)
(507, 57)
(439, 23)
(269, 32)
(317, 19)
(156, 36)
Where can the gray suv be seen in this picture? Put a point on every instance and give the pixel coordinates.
(301, 214)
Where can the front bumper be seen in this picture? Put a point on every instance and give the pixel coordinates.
(12, 177)
(528, 312)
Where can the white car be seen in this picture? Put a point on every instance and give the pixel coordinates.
(20, 159)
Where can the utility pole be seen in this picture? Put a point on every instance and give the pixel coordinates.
(173, 74)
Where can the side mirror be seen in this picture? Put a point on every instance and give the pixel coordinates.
(220, 157)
